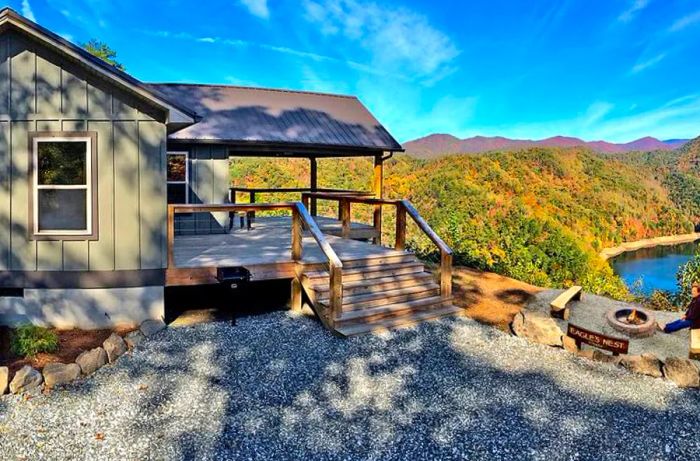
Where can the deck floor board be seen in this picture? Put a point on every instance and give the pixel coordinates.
(268, 242)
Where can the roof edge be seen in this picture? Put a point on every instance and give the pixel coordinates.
(177, 113)
(259, 88)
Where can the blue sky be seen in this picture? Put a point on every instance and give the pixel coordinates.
(597, 69)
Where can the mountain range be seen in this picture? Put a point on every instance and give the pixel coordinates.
(435, 145)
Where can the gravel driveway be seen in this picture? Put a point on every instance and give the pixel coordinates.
(280, 387)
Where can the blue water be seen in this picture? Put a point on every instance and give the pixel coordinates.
(655, 267)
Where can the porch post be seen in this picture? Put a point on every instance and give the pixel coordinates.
(378, 190)
(313, 183)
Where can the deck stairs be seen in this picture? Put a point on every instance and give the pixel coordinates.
(380, 292)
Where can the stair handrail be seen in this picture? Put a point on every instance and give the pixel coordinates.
(403, 208)
(301, 219)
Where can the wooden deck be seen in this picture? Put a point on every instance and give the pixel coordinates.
(266, 250)
(354, 286)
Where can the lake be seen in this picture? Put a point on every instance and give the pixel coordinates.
(655, 267)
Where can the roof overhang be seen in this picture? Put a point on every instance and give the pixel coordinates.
(177, 115)
(271, 149)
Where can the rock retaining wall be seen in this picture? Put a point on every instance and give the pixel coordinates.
(681, 371)
(30, 381)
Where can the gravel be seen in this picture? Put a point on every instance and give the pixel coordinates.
(590, 313)
(278, 386)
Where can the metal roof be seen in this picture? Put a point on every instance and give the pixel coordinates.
(296, 119)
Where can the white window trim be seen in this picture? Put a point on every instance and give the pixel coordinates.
(186, 182)
(87, 187)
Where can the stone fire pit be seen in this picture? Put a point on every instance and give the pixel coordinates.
(634, 322)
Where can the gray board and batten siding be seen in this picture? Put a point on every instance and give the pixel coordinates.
(208, 170)
(40, 90)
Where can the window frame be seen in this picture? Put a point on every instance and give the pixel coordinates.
(91, 187)
(186, 182)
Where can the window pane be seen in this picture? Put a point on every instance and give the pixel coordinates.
(62, 163)
(177, 169)
(62, 209)
(177, 193)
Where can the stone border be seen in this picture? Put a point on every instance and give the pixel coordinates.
(29, 380)
(539, 328)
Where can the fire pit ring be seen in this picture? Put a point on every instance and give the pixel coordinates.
(634, 322)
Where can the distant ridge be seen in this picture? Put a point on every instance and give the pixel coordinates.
(435, 145)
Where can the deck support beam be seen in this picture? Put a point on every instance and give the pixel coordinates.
(378, 190)
(296, 300)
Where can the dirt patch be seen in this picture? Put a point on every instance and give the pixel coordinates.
(71, 344)
(490, 298)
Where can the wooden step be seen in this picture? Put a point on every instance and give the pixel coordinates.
(374, 314)
(376, 285)
(365, 301)
(364, 272)
(400, 321)
(379, 260)
(366, 261)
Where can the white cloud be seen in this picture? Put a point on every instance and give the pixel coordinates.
(685, 21)
(257, 8)
(643, 65)
(316, 57)
(398, 39)
(27, 10)
(631, 12)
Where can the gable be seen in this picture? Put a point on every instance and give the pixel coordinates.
(67, 55)
(38, 82)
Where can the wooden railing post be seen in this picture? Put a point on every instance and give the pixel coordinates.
(297, 243)
(400, 227)
(345, 217)
(445, 275)
(336, 292)
(251, 215)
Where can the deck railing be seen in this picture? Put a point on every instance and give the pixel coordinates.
(301, 219)
(252, 192)
(403, 208)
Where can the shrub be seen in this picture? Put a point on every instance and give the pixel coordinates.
(660, 300)
(686, 275)
(29, 340)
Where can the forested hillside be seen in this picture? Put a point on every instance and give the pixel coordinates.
(540, 215)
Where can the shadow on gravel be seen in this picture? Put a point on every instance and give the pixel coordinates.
(280, 387)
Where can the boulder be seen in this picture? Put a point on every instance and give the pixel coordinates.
(60, 373)
(151, 327)
(90, 361)
(645, 364)
(134, 338)
(114, 346)
(600, 356)
(4, 379)
(586, 353)
(27, 379)
(569, 344)
(683, 372)
(538, 328)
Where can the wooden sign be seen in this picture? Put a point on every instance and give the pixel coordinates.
(609, 343)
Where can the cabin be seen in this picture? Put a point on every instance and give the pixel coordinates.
(113, 190)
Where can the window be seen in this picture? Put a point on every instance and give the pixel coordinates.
(62, 185)
(178, 177)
